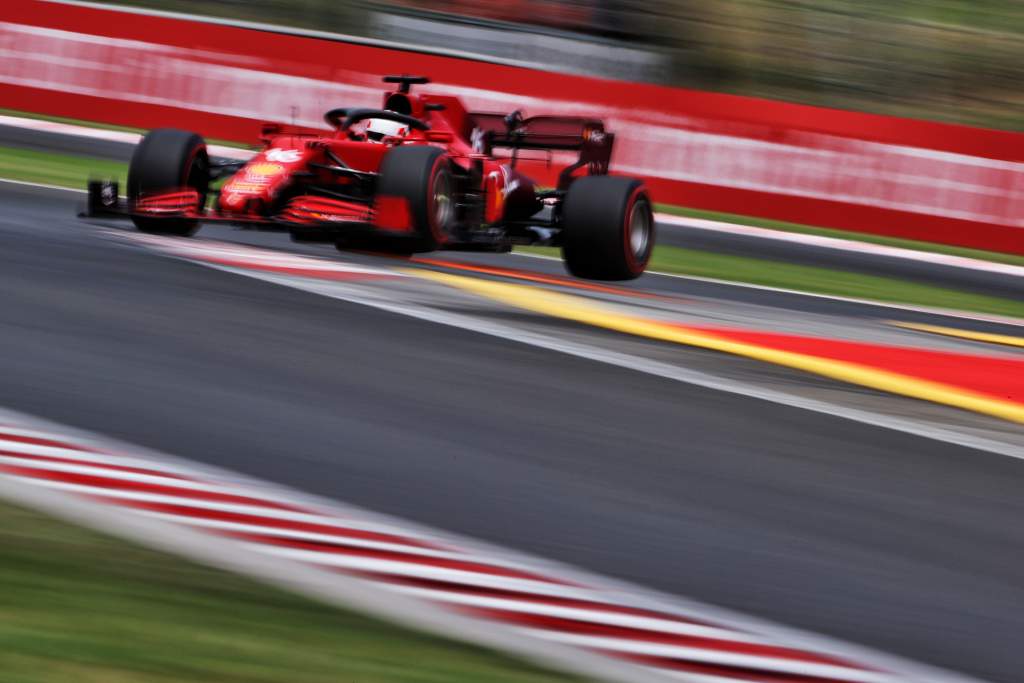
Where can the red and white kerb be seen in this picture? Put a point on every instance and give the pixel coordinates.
(535, 603)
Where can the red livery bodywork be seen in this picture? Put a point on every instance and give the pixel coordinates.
(439, 177)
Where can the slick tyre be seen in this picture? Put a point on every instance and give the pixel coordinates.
(166, 160)
(421, 176)
(607, 228)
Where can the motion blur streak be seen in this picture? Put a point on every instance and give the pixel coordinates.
(519, 274)
(525, 595)
(573, 308)
(263, 259)
(1004, 339)
(476, 445)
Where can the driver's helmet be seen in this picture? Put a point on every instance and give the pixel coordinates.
(378, 129)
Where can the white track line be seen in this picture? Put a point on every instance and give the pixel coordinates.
(414, 570)
(842, 244)
(712, 657)
(120, 475)
(338, 539)
(69, 454)
(43, 186)
(696, 678)
(593, 615)
(203, 504)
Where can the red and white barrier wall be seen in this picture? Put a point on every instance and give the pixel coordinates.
(885, 175)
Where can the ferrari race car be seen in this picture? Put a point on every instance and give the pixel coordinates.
(421, 173)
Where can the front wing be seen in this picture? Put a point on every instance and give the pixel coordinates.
(305, 212)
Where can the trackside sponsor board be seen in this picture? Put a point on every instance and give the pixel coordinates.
(884, 175)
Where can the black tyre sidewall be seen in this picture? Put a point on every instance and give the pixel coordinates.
(163, 161)
(595, 228)
(410, 172)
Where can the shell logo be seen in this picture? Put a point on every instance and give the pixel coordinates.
(263, 169)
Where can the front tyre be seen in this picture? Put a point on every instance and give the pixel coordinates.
(607, 228)
(167, 160)
(420, 176)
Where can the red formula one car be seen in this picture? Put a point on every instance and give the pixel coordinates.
(419, 174)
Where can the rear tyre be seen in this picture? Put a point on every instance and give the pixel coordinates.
(607, 228)
(421, 175)
(166, 160)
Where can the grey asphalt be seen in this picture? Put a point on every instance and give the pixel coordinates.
(663, 285)
(46, 141)
(885, 539)
(979, 282)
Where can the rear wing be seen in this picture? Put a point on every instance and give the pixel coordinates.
(548, 133)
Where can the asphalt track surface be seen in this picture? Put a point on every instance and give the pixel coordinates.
(979, 282)
(898, 542)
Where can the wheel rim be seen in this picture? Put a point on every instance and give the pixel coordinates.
(442, 201)
(639, 230)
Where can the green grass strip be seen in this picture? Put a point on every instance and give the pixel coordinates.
(80, 606)
(933, 247)
(63, 170)
(675, 260)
